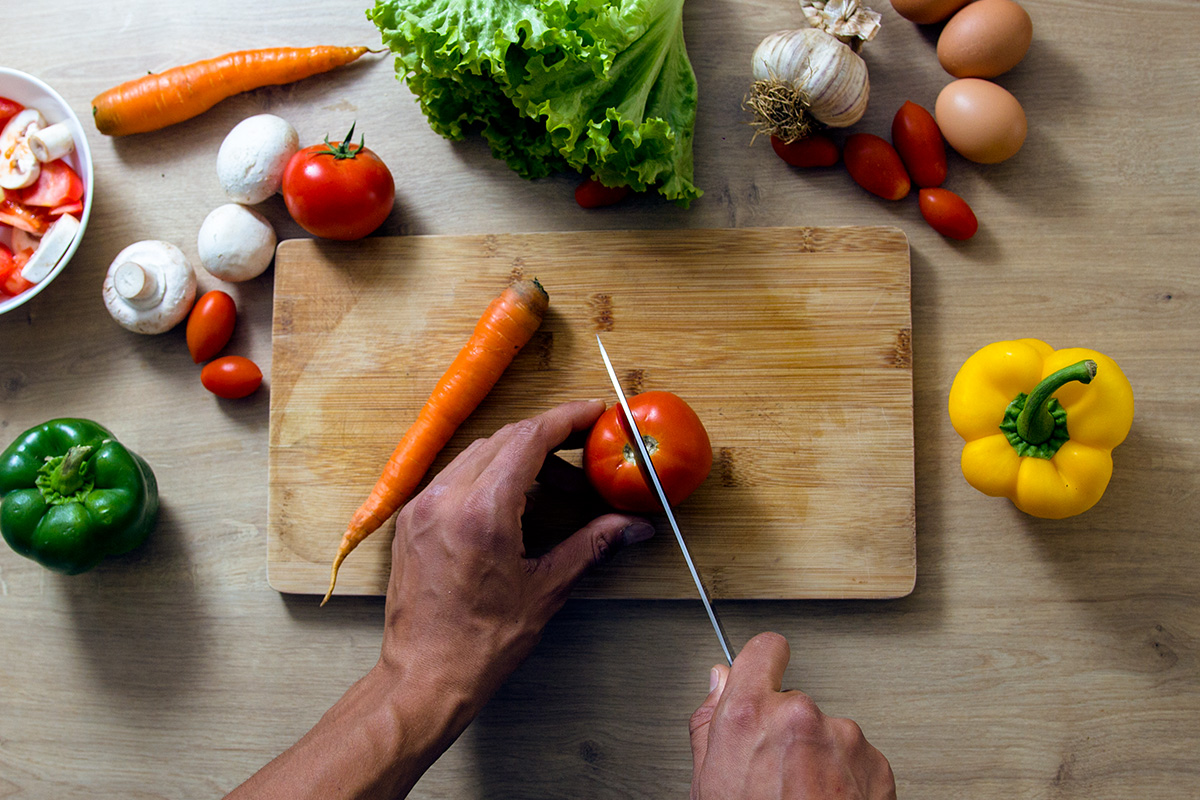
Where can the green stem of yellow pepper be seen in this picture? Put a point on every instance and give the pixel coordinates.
(1035, 423)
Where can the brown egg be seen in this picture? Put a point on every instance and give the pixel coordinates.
(985, 39)
(924, 12)
(980, 120)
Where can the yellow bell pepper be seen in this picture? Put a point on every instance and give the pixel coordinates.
(1040, 424)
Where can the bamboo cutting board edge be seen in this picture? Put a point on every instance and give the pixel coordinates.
(289, 572)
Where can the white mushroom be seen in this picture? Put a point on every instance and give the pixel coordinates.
(150, 287)
(236, 243)
(252, 158)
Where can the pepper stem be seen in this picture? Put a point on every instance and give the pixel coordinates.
(1035, 423)
(67, 478)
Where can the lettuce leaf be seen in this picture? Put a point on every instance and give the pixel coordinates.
(599, 87)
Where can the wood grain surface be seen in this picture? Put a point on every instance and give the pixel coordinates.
(1034, 660)
(793, 345)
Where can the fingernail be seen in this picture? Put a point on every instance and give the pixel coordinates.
(636, 532)
(714, 678)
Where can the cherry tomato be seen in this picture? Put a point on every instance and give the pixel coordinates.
(9, 109)
(813, 150)
(594, 194)
(947, 213)
(674, 436)
(875, 166)
(210, 324)
(231, 377)
(338, 190)
(918, 140)
(56, 185)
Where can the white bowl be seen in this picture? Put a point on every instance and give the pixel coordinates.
(33, 93)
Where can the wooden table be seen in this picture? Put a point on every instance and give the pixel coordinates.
(1034, 659)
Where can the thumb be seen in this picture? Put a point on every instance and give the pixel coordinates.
(698, 726)
(590, 546)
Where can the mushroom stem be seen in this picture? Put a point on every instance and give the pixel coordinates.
(137, 284)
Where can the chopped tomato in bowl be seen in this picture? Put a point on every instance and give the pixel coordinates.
(46, 179)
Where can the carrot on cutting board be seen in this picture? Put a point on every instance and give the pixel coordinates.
(180, 93)
(505, 327)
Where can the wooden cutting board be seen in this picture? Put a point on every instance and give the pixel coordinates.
(792, 344)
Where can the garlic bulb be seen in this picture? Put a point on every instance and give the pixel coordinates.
(806, 73)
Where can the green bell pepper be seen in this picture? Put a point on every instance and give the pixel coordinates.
(71, 494)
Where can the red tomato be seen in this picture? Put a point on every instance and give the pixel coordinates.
(594, 194)
(7, 265)
(8, 110)
(338, 190)
(813, 150)
(57, 185)
(231, 377)
(75, 208)
(13, 282)
(918, 140)
(210, 324)
(674, 436)
(875, 166)
(28, 218)
(947, 213)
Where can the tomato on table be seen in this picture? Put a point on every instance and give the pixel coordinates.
(210, 325)
(918, 140)
(594, 194)
(675, 437)
(876, 166)
(947, 213)
(231, 377)
(338, 190)
(813, 150)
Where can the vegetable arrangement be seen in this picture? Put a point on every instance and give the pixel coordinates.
(71, 494)
(1040, 424)
(155, 101)
(42, 196)
(605, 90)
(506, 326)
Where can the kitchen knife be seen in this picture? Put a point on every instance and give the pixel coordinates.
(643, 458)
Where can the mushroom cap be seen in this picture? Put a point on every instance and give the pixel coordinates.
(170, 269)
(236, 243)
(253, 156)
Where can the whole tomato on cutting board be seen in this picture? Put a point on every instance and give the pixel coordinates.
(675, 437)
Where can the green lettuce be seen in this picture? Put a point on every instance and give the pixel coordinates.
(598, 87)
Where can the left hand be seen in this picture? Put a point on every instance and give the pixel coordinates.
(465, 606)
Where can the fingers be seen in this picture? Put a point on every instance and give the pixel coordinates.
(589, 546)
(521, 448)
(698, 725)
(761, 663)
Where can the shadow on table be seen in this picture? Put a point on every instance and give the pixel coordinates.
(141, 642)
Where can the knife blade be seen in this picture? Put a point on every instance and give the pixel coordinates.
(643, 458)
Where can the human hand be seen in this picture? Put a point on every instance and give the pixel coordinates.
(751, 741)
(465, 606)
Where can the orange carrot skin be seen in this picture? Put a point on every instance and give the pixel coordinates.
(153, 102)
(505, 327)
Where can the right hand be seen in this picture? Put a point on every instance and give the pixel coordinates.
(751, 741)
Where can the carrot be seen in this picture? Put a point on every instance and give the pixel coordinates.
(505, 327)
(156, 101)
